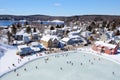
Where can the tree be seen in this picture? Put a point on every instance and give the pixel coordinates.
(104, 24)
(89, 28)
(62, 25)
(19, 25)
(93, 25)
(14, 29)
(26, 23)
(58, 26)
(67, 32)
(91, 38)
(28, 29)
(108, 25)
(34, 29)
(98, 18)
(117, 33)
(9, 36)
(113, 26)
(52, 28)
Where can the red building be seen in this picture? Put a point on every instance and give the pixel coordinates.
(103, 47)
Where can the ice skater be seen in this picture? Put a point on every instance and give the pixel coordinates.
(92, 63)
(17, 74)
(36, 67)
(89, 60)
(9, 68)
(14, 70)
(99, 59)
(61, 68)
(67, 62)
(72, 64)
(81, 64)
(113, 73)
(14, 65)
(25, 69)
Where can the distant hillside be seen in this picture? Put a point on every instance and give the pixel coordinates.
(67, 19)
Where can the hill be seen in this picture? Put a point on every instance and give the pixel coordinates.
(64, 18)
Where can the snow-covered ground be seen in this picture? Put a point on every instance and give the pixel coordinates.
(4, 48)
(73, 65)
(10, 58)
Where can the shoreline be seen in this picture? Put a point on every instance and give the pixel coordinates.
(34, 57)
(103, 55)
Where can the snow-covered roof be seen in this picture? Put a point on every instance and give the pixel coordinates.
(75, 32)
(20, 32)
(35, 48)
(26, 34)
(101, 43)
(48, 37)
(110, 33)
(66, 39)
(21, 46)
(74, 36)
(85, 33)
(35, 43)
(57, 21)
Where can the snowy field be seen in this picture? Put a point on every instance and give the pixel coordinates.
(76, 65)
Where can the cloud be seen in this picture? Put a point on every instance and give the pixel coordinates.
(57, 4)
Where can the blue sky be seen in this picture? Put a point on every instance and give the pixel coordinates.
(60, 7)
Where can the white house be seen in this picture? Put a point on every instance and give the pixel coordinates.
(72, 40)
(25, 50)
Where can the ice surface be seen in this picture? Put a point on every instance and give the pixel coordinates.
(73, 66)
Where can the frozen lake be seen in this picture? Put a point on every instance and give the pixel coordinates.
(72, 66)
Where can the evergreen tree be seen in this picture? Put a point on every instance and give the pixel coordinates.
(104, 24)
(19, 25)
(14, 29)
(57, 26)
(28, 29)
(113, 26)
(51, 28)
(26, 23)
(62, 25)
(108, 25)
(89, 28)
(117, 33)
(34, 29)
(93, 25)
(9, 36)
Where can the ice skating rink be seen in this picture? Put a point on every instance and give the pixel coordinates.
(68, 66)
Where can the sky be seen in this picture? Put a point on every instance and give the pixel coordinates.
(60, 7)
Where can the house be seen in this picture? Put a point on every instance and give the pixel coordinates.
(74, 33)
(27, 37)
(103, 37)
(50, 41)
(103, 47)
(86, 34)
(71, 40)
(110, 34)
(25, 50)
(35, 36)
(36, 46)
